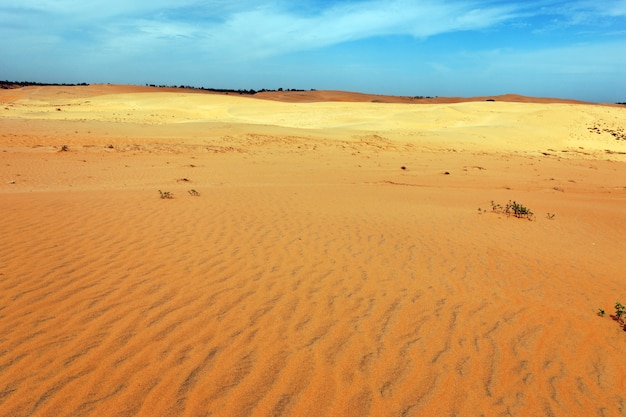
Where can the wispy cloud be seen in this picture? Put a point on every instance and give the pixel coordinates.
(259, 29)
(278, 31)
(252, 28)
(590, 10)
(184, 40)
(588, 15)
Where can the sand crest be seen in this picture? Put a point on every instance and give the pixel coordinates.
(341, 258)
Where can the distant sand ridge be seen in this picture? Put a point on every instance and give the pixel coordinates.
(342, 257)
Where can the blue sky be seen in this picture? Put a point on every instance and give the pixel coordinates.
(570, 49)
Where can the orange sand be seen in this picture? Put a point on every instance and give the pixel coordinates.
(313, 276)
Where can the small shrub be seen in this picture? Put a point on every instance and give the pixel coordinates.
(518, 210)
(513, 208)
(619, 316)
(620, 312)
(495, 207)
(166, 195)
(64, 148)
(550, 216)
(194, 193)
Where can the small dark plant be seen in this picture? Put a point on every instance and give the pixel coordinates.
(495, 207)
(518, 210)
(620, 312)
(550, 216)
(166, 195)
(194, 193)
(513, 208)
(64, 148)
(619, 316)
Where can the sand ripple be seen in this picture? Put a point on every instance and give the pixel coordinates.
(313, 276)
(212, 306)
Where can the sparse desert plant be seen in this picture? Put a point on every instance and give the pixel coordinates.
(64, 148)
(518, 210)
(495, 207)
(513, 208)
(194, 193)
(550, 216)
(620, 312)
(166, 195)
(619, 316)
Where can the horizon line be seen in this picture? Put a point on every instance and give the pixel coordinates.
(4, 84)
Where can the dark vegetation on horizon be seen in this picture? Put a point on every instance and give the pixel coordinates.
(251, 92)
(18, 84)
(223, 90)
(5, 85)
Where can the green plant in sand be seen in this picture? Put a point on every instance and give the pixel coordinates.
(513, 208)
(496, 208)
(518, 210)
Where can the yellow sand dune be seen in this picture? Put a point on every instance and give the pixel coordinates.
(341, 258)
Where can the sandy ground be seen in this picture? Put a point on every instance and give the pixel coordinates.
(341, 258)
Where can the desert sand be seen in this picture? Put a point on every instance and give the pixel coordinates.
(341, 259)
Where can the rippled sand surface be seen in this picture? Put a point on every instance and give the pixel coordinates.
(336, 259)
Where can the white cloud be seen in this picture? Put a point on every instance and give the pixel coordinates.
(584, 12)
(280, 31)
(613, 8)
(252, 28)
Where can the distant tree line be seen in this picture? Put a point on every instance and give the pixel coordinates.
(17, 84)
(214, 90)
(222, 90)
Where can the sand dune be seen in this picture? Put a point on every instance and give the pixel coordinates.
(335, 262)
